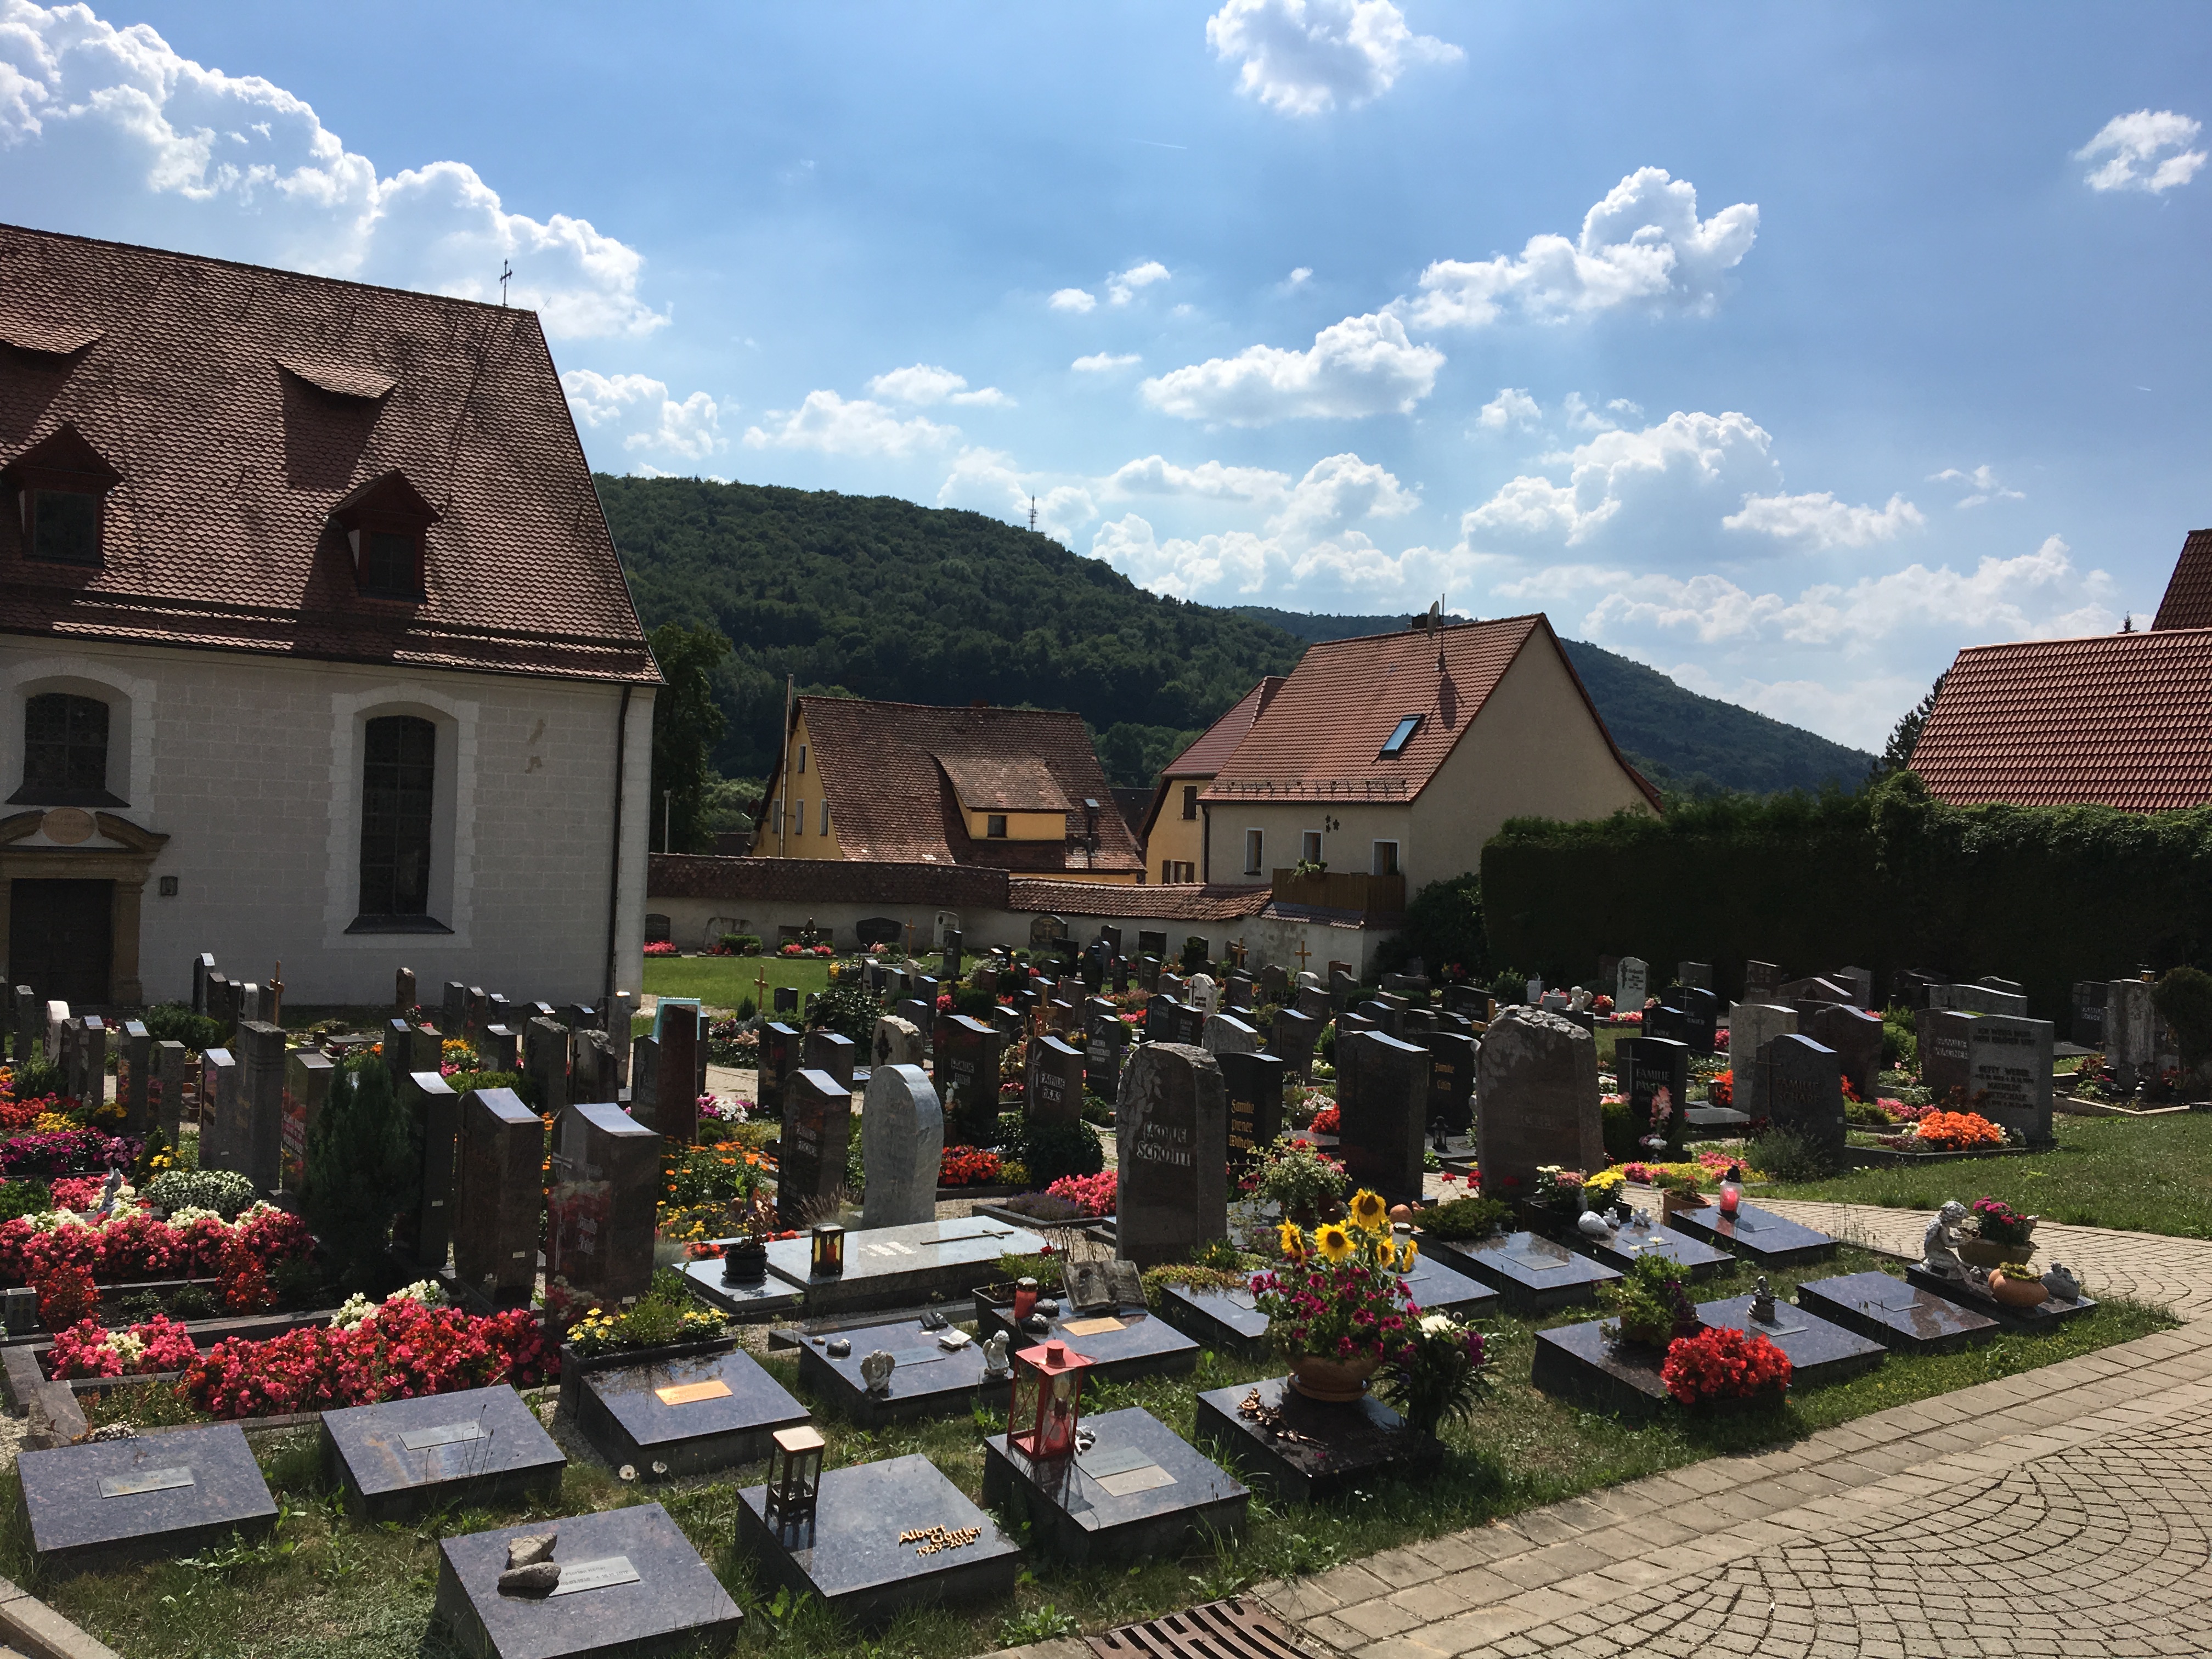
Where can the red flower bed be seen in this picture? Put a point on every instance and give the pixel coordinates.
(967, 1166)
(88, 1349)
(1958, 1132)
(134, 1245)
(660, 947)
(1723, 1365)
(401, 1351)
(1094, 1195)
(1328, 1120)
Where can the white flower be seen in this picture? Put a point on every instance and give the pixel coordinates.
(130, 1346)
(192, 1213)
(1438, 1325)
(352, 1311)
(424, 1291)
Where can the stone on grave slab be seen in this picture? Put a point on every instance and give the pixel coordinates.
(1581, 1363)
(1054, 1088)
(1535, 1100)
(630, 1584)
(897, 1041)
(1902, 1317)
(1125, 1342)
(1384, 1131)
(1801, 1087)
(706, 1412)
(1629, 1242)
(501, 1198)
(2044, 1316)
(902, 1267)
(403, 1458)
(1140, 1491)
(1856, 1038)
(928, 1379)
(1759, 1236)
(155, 1497)
(902, 1144)
(601, 1208)
(308, 1074)
(1532, 1273)
(887, 1537)
(1752, 1026)
(1253, 1085)
(1298, 1450)
(1818, 1351)
(1171, 1146)
(817, 1127)
(2009, 1073)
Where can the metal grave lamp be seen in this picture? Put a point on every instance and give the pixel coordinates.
(1047, 1401)
(829, 1257)
(795, 1481)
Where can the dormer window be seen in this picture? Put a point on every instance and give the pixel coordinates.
(386, 522)
(65, 527)
(1400, 735)
(61, 489)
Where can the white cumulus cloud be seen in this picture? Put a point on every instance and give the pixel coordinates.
(640, 407)
(1124, 286)
(1688, 465)
(1155, 475)
(1361, 366)
(2149, 150)
(1512, 406)
(1981, 486)
(1821, 521)
(1305, 57)
(828, 422)
(988, 481)
(1076, 299)
(1644, 245)
(926, 383)
(121, 106)
(1101, 362)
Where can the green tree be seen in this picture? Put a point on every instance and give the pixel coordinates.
(357, 1171)
(2184, 1000)
(687, 724)
(1897, 754)
(1443, 927)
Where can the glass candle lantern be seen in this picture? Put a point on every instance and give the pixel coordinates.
(1026, 1298)
(829, 1257)
(1047, 1403)
(1731, 1190)
(795, 1481)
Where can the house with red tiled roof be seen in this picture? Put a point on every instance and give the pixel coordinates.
(2113, 720)
(314, 642)
(1171, 834)
(1391, 758)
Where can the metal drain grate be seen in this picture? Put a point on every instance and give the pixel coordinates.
(1234, 1629)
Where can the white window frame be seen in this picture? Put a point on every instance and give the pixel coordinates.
(1309, 847)
(1255, 852)
(453, 824)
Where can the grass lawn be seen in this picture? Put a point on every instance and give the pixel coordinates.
(2140, 1175)
(726, 981)
(328, 1586)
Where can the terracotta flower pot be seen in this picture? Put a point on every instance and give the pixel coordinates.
(1336, 1382)
(2017, 1292)
(1980, 1253)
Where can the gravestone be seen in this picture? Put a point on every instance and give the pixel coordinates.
(1104, 1044)
(1293, 1036)
(1312, 1002)
(50, 1045)
(1052, 1089)
(1752, 1026)
(828, 1051)
(676, 1085)
(166, 1103)
(405, 1001)
(1274, 984)
(2089, 1000)
(644, 1101)
(1699, 974)
(30, 1030)
(453, 1009)
(600, 1208)
(1944, 1061)
(1632, 981)
(499, 1048)
(1664, 1020)
(950, 970)
(1535, 1100)
(220, 1096)
(435, 1111)
(1205, 994)
(1226, 1033)
(897, 1041)
(1646, 1066)
(1761, 981)
(398, 1459)
(545, 1060)
(502, 1196)
(914, 1012)
(90, 1083)
(109, 1502)
(1701, 1013)
(1381, 1135)
(2009, 1073)
(308, 1074)
(817, 1127)
(476, 1012)
(1383, 1017)
(1046, 931)
(2132, 1030)
(781, 1054)
(1171, 1141)
(1236, 991)
(133, 1083)
(1451, 1081)
(902, 1146)
(785, 999)
(1254, 1084)
(203, 965)
(1342, 988)
(1856, 1037)
(1977, 998)
(1859, 981)
(1802, 1090)
(223, 1001)
(968, 1080)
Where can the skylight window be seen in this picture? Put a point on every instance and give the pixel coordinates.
(1399, 736)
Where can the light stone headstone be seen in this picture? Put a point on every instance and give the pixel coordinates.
(1535, 1100)
(899, 1042)
(1630, 981)
(2010, 1080)
(1752, 1026)
(1699, 974)
(2131, 1031)
(1171, 1145)
(1976, 999)
(901, 1146)
(1226, 1033)
(57, 1016)
(1205, 994)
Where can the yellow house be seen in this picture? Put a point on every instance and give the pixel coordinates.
(1393, 758)
(1173, 836)
(1014, 789)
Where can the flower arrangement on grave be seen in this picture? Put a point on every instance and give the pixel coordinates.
(1094, 1195)
(66, 1294)
(132, 1244)
(1296, 1176)
(1720, 1088)
(662, 1317)
(1602, 1191)
(1723, 1364)
(1337, 1307)
(1601, 1005)
(1440, 1374)
(1328, 1120)
(89, 1349)
(1995, 1221)
(661, 947)
(226, 1192)
(1557, 1187)
(967, 1166)
(1649, 1303)
(1957, 1132)
(1655, 1124)
(55, 1147)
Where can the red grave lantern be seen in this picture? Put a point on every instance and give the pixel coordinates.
(1047, 1399)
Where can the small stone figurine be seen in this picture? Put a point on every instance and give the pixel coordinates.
(875, 1370)
(2061, 1283)
(1591, 1224)
(108, 1189)
(1762, 1303)
(995, 1351)
(1939, 1244)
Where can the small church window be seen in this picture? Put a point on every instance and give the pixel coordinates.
(65, 527)
(65, 751)
(396, 780)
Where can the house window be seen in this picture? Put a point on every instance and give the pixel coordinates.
(1190, 800)
(395, 790)
(825, 818)
(65, 527)
(1386, 858)
(798, 818)
(65, 752)
(1309, 847)
(775, 816)
(1252, 851)
(995, 826)
(390, 564)
(1177, 870)
(1400, 735)
(802, 760)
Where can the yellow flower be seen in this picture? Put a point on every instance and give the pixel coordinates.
(1292, 1241)
(1369, 1212)
(1334, 1242)
(1406, 1257)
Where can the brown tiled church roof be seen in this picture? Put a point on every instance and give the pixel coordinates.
(2188, 601)
(240, 406)
(2121, 719)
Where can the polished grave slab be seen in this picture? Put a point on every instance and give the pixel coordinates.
(1298, 1450)
(2044, 1316)
(153, 1496)
(708, 1412)
(1759, 1236)
(1902, 1317)
(763, 1298)
(899, 1266)
(1821, 1352)
(1581, 1363)
(1437, 1287)
(632, 1584)
(1123, 1343)
(1224, 1320)
(403, 1458)
(861, 1560)
(1141, 1490)
(928, 1379)
(1629, 1243)
(1532, 1274)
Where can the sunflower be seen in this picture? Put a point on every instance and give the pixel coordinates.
(1369, 1212)
(1334, 1242)
(1292, 1240)
(1406, 1257)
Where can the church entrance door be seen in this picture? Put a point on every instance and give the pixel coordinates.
(61, 937)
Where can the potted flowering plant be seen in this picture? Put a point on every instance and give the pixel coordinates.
(1336, 1306)
(1298, 1178)
(2002, 1235)
(1439, 1374)
(1649, 1303)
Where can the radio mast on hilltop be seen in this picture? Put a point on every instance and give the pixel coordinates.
(1032, 515)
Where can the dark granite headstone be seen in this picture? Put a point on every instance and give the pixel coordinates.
(928, 1378)
(502, 1197)
(1054, 1090)
(1856, 1038)
(2089, 1000)
(1536, 1101)
(1583, 1364)
(1253, 1083)
(203, 965)
(676, 1085)
(220, 1098)
(782, 1048)
(545, 1059)
(133, 1067)
(828, 1051)
(498, 1047)
(968, 1080)
(1107, 1041)
(817, 1127)
(1380, 1136)
(1293, 1036)
(167, 1103)
(601, 1208)
(1171, 1133)
(153, 1498)
(308, 1074)
(434, 1111)
(1647, 1067)
(261, 1128)
(1803, 1087)
(403, 1458)
(694, 1414)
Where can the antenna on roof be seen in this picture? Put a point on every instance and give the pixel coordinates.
(506, 270)
(1033, 516)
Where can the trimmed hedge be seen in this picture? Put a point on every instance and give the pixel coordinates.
(1888, 878)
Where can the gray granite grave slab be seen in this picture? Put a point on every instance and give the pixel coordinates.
(1758, 1236)
(929, 1379)
(1697, 1259)
(1302, 1451)
(621, 1412)
(1224, 1320)
(856, 1559)
(1581, 1363)
(1125, 1343)
(403, 1458)
(2047, 1314)
(1534, 1274)
(764, 1297)
(1140, 1491)
(902, 1267)
(1898, 1316)
(673, 1601)
(1820, 1351)
(1437, 1287)
(151, 1498)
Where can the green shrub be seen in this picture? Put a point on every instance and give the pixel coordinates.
(175, 1022)
(1050, 1150)
(1466, 1217)
(1785, 1155)
(21, 1198)
(1443, 927)
(224, 1191)
(975, 1003)
(847, 1010)
(462, 1082)
(2184, 1000)
(36, 1078)
(1900, 1040)
(1618, 1123)
(363, 1167)
(746, 945)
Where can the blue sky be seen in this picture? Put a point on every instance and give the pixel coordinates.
(1786, 348)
